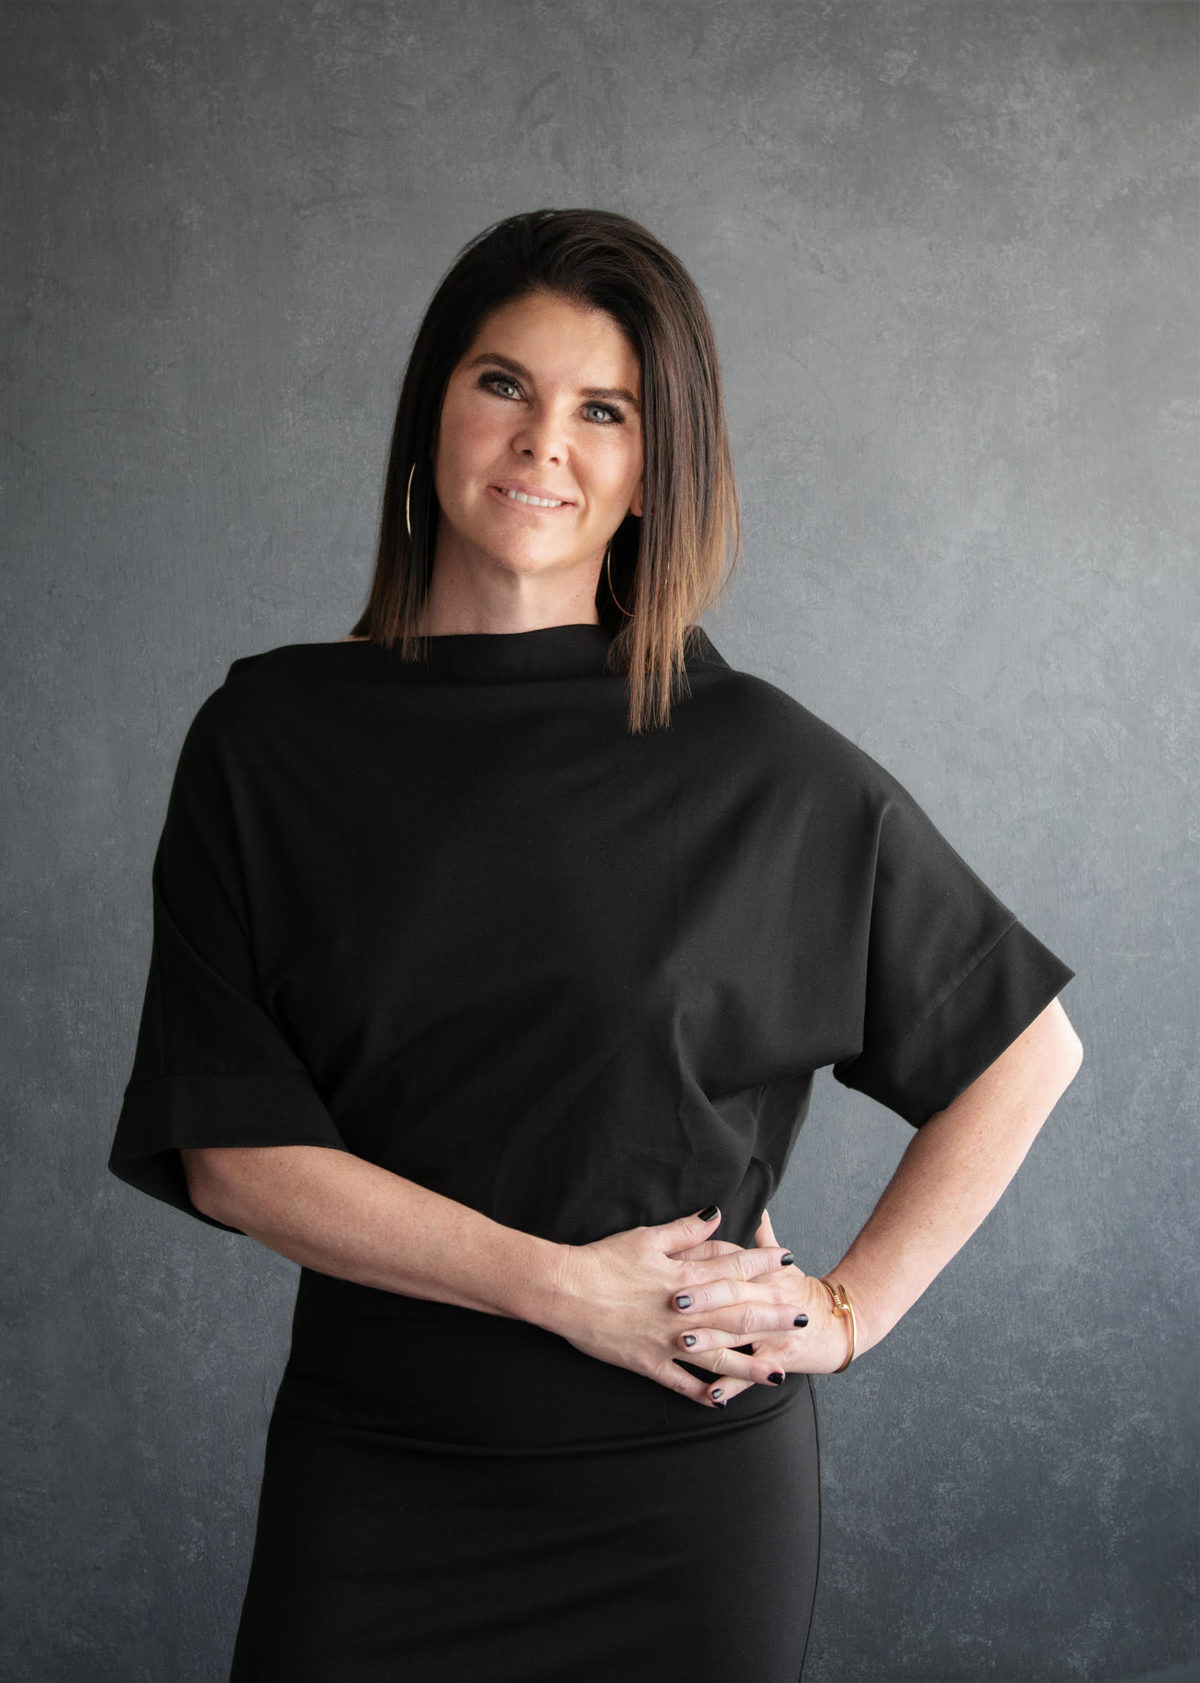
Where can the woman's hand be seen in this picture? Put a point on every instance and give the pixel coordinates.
(616, 1298)
(723, 1311)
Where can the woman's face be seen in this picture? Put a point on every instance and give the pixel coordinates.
(546, 399)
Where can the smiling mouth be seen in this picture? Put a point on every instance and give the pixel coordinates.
(520, 498)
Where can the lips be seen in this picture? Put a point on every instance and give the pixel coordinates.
(528, 490)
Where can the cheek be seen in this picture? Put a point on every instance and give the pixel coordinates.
(473, 432)
(467, 445)
(616, 473)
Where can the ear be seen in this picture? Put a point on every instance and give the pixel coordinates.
(635, 504)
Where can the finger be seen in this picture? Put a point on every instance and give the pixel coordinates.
(710, 1247)
(728, 1279)
(766, 1232)
(678, 1379)
(719, 1392)
(764, 1365)
(723, 1394)
(686, 1230)
(740, 1320)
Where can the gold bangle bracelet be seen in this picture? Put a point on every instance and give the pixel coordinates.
(841, 1305)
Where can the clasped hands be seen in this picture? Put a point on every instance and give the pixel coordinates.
(652, 1297)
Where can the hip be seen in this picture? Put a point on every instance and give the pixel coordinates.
(435, 1375)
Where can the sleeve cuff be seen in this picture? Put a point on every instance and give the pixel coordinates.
(1010, 985)
(158, 1116)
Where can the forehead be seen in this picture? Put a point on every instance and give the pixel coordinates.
(558, 334)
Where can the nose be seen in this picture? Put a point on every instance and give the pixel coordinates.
(540, 438)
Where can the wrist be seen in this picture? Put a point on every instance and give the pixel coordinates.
(532, 1286)
(868, 1327)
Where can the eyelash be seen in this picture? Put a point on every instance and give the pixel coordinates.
(618, 416)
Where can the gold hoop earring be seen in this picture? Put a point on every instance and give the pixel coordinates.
(608, 572)
(407, 495)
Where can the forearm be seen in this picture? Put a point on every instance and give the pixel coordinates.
(953, 1173)
(339, 1214)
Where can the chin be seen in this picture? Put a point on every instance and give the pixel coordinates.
(534, 566)
(528, 558)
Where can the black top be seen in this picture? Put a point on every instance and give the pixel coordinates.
(454, 918)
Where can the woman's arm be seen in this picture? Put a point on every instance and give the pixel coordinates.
(951, 1175)
(339, 1214)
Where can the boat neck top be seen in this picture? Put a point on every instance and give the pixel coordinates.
(546, 652)
(452, 916)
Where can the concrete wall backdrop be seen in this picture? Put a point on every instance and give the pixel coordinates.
(950, 250)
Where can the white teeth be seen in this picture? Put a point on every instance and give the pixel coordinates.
(520, 497)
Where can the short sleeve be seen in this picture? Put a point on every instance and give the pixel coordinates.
(949, 977)
(212, 1067)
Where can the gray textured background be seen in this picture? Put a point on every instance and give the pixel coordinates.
(950, 251)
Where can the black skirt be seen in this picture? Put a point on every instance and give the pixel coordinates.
(539, 1543)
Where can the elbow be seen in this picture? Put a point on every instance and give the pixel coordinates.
(1073, 1051)
(204, 1185)
(1067, 1062)
(1068, 1048)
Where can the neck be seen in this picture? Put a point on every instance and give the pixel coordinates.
(464, 599)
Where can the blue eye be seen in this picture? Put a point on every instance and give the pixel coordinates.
(503, 379)
(490, 381)
(616, 414)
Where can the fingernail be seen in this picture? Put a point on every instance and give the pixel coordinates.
(719, 1404)
(801, 1320)
(786, 1258)
(775, 1378)
(683, 1301)
(689, 1338)
(708, 1214)
(717, 1393)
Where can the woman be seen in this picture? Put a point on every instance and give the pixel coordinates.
(495, 948)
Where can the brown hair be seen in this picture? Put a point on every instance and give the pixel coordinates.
(667, 567)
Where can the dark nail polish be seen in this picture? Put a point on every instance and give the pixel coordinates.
(689, 1338)
(801, 1320)
(786, 1258)
(709, 1213)
(683, 1301)
(718, 1404)
(775, 1378)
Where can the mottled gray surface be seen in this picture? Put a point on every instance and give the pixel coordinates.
(950, 251)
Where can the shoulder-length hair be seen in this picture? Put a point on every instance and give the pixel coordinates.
(667, 567)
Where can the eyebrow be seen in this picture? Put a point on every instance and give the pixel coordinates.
(523, 373)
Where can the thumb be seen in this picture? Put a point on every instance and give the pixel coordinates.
(688, 1230)
(766, 1233)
